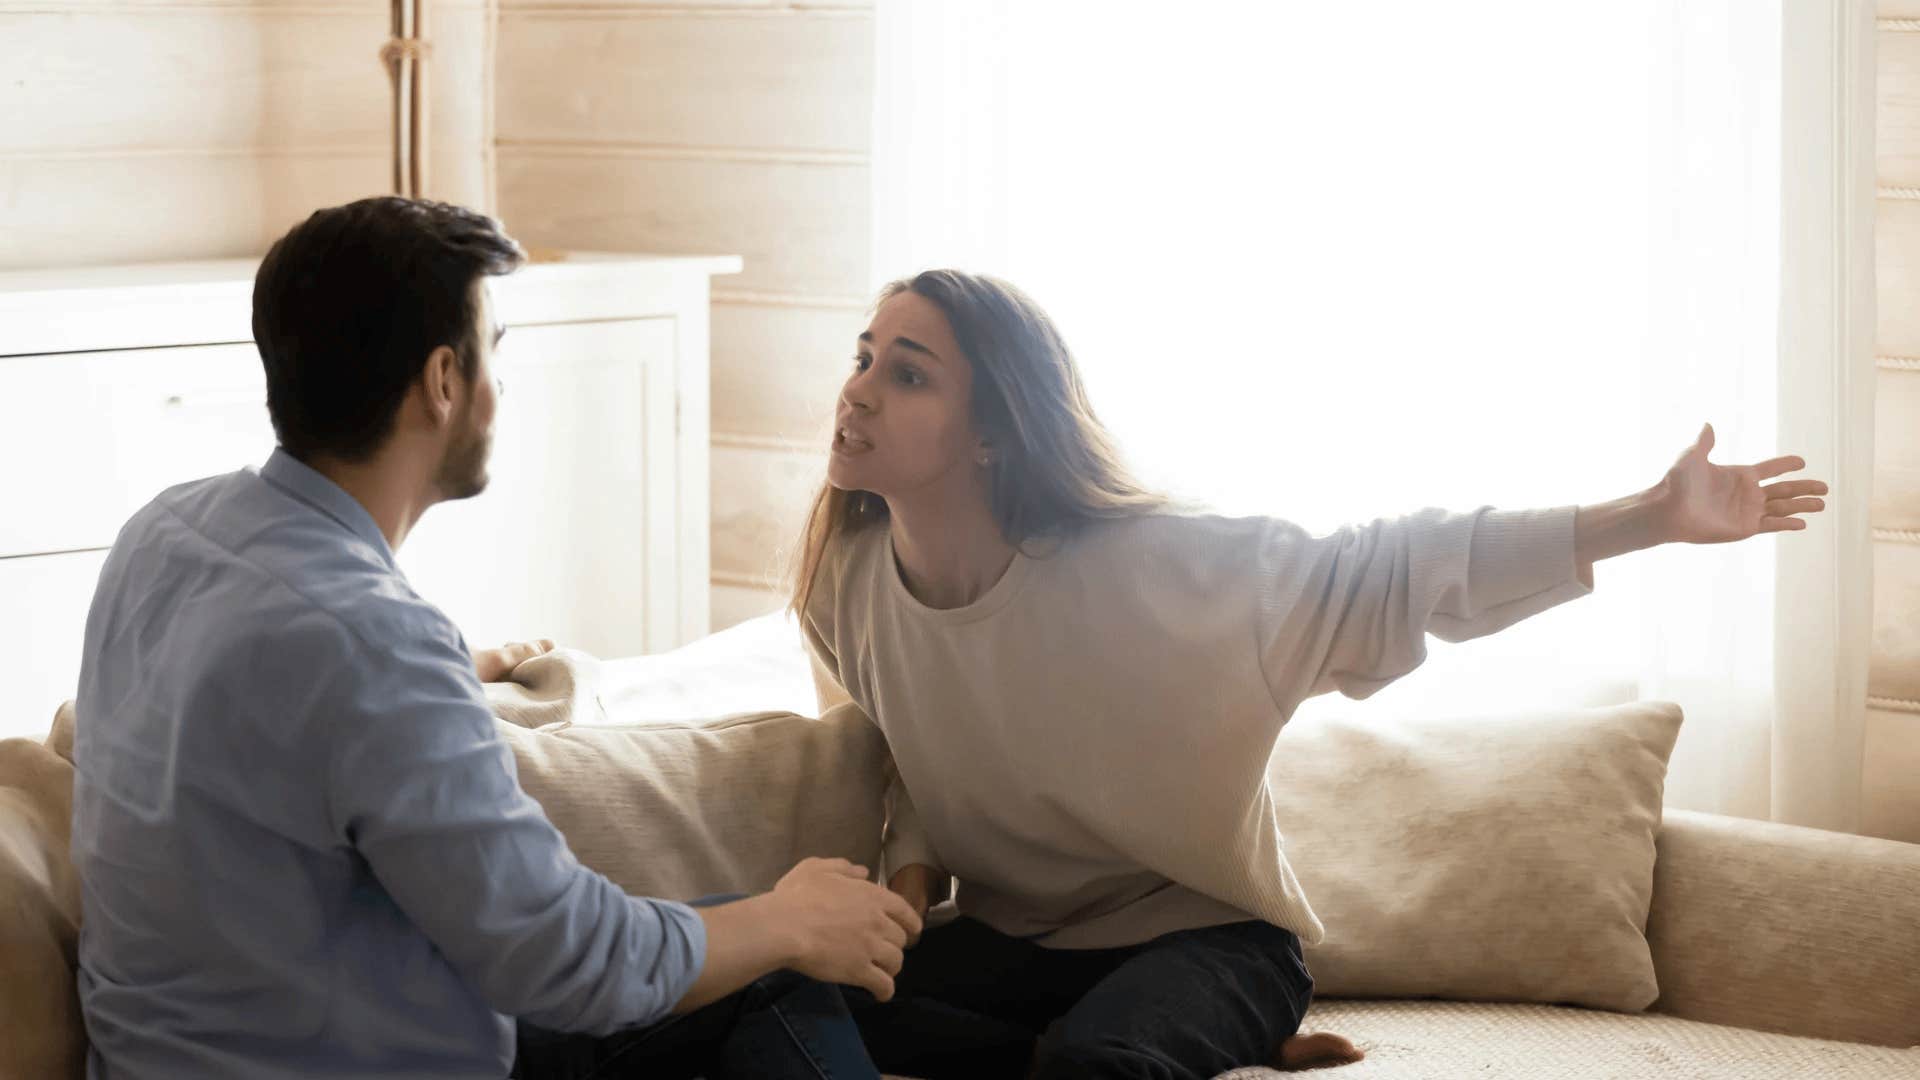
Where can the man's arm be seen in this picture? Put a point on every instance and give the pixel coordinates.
(426, 791)
(824, 919)
(423, 787)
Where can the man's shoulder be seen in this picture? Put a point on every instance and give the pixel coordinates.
(235, 550)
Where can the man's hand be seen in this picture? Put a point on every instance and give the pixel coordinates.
(492, 665)
(843, 928)
(916, 885)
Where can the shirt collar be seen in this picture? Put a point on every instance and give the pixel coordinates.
(303, 482)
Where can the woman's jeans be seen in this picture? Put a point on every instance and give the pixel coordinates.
(975, 1003)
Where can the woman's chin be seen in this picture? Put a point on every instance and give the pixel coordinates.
(841, 474)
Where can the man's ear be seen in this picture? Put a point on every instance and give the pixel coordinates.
(439, 385)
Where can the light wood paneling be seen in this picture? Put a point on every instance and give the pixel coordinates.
(769, 9)
(801, 83)
(148, 131)
(1897, 116)
(84, 210)
(1889, 790)
(777, 371)
(1896, 456)
(735, 604)
(156, 78)
(1895, 669)
(1896, 242)
(802, 228)
(459, 96)
(760, 498)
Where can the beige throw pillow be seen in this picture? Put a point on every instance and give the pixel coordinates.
(41, 1034)
(680, 811)
(1499, 858)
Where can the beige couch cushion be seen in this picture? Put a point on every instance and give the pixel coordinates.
(687, 810)
(1501, 858)
(1787, 929)
(41, 1035)
(1432, 1040)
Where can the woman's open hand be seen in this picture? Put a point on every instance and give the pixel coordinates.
(1706, 503)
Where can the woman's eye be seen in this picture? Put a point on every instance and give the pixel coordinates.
(909, 377)
(861, 363)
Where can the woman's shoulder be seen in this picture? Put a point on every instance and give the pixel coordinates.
(846, 564)
(1175, 530)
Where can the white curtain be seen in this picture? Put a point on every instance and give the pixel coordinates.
(1330, 262)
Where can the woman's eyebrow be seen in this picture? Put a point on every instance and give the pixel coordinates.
(906, 343)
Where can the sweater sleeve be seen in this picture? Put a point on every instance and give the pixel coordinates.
(1350, 611)
(905, 841)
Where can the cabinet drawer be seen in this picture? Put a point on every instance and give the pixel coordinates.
(88, 438)
(43, 620)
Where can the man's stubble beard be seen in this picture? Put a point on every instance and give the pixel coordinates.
(463, 471)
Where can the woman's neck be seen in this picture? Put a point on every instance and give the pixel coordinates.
(949, 557)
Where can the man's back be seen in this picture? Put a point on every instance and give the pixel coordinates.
(302, 847)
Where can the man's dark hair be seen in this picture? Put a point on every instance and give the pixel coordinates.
(348, 305)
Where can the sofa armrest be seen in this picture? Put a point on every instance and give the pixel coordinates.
(1781, 928)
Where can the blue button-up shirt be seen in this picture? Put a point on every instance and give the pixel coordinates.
(303, 848)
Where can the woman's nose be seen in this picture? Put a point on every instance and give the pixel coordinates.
(854, 393)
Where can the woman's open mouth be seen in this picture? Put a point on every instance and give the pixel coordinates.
(847, 441)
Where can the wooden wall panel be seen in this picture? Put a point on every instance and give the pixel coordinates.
(82, 210)
(802, 228)
(1890, 793)
(778, 369)
(804, 82)
(1891, 784)
(152, 130)
(1896, 436)
(1896, 243)
(760, 496)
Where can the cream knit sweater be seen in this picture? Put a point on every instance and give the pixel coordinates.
(1086, 746)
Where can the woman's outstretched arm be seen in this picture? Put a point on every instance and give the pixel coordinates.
(1697, 502)
(1351, 611)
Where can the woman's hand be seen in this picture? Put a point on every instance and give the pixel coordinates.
(493, 665)
(916, 885)
(1704, 503)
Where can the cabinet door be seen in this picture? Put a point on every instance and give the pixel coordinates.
(43, 621)
(579, 508)
(88, 438)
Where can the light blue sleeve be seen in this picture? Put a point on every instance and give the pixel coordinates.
(425, 789)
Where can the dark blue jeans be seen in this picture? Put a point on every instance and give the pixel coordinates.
(974, 1003)
(782, 1027)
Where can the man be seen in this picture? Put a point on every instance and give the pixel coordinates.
(302, 846)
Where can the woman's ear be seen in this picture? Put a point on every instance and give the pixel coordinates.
(983, 454)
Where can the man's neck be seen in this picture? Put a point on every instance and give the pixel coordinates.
(392, 493)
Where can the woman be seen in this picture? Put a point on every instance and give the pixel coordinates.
(1081, 688)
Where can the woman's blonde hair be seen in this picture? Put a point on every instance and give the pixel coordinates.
(1054, 466)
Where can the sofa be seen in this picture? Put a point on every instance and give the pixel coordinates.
(1777, 951)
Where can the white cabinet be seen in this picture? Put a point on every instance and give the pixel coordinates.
(116, 383)
(43, 646)
(558, 545)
